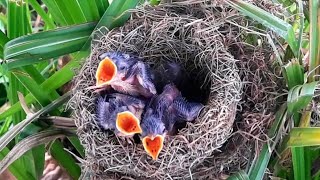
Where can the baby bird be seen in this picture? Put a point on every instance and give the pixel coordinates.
(125, 74)
(161, 114)
(169, 72)
(120, 113)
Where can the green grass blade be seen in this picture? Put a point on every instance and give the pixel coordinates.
(76, 12)
(85, 7)
(28, 143)
(14, 131)
(76, 143)
(301, 137)
(102, 6)
(281, 27)
(300, 96)
(110, 19)
(259, 166)
(94, 10)
(39, 156)
(48, 21)
(5, 127)
(12, 21)
(293, 72)
(301, 26)
(314, 61)
(65, 159)
(56, 12)
(41, 95)
(16, 167)
(65, 11)
(36, 47)
(298, 160)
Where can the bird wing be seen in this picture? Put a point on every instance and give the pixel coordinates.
(104, 110)
(187, 110)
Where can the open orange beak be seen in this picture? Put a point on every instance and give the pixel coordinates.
(128, 124)
(106, 72)
(153, 145)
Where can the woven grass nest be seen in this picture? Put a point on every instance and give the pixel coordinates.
(194, 35)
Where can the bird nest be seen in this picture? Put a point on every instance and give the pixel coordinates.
(193, 35)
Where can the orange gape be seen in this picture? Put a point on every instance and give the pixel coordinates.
(127, 123)
(106, 71)
(153, 146)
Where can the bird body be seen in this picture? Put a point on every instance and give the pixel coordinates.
(125, 74)
(161, 115)
(120, 113)
(169, 72)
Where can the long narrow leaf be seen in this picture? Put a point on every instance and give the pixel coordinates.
(259, 166)
(301, 137)
(66, 73)
(36, 47)
(15, 167)
(27, 144)
(48, 21)
(5, 139)
(298, 160)
(281, 27)
(314, 61)
(294, 74)
(300, 96)
(65, 159)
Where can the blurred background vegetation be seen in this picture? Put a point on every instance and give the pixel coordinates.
(42, 42)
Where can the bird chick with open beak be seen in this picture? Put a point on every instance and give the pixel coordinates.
(161, 114)
(125, 74)
(120, 113)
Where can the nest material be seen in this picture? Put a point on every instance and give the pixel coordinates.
(199, 37)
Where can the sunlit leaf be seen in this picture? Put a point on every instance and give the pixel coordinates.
(301, 137)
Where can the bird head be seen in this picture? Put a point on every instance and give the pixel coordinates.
(153, 133)
(111, 64)
(106, 72)
(127, 123)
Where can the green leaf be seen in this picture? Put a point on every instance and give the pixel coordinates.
(28, 143)
(241, 175)
(300, 96)
(65, 159)
(44, 45)
(102, 6)
(281, 27)
(259, 166)
(76, 143)
(299, 164)
(76, 12)
(14, 131)
(48, 21)
(15, 167)
(5, 127)
(314, 61)
(39, 156)
(301, 137)
(109, 19)
(57, 13)
(293, 72)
